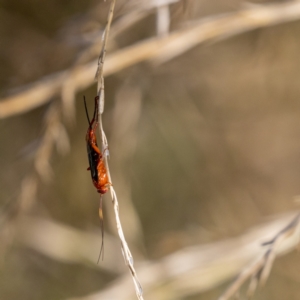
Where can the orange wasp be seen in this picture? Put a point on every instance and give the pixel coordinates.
(96, 162)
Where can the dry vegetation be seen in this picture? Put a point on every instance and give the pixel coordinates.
(202, 118)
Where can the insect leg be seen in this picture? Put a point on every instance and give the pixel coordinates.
(101, 253)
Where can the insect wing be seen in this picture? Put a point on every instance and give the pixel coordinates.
(93, 161)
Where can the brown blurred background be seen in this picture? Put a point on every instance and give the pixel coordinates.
(202, 147)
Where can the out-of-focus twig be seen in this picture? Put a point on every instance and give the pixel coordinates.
(227, 25)
(163, 20)
(54, 134)
(159, 49)
(134, 12)
(258, 272)
(188, 271)
(200, 268)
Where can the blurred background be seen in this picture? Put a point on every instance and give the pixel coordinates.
(204, 145)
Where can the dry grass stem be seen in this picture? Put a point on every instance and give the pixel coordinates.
(100, 92)
(101, 59)
(159, 49)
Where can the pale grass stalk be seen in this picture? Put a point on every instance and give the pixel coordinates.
(100, 92)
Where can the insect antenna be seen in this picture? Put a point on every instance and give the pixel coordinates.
(86, 111)
(101, 253)
(95, 116)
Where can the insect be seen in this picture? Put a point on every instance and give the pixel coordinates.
(96, 162)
